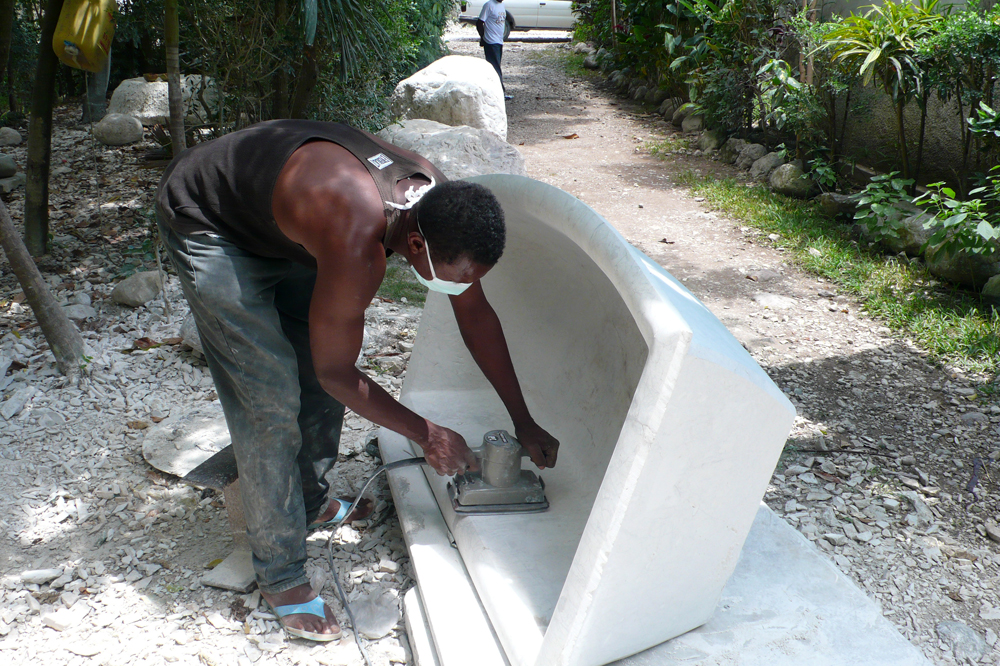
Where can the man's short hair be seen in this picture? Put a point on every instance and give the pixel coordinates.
(460, 218)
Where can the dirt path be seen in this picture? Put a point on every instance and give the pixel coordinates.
(894, 516)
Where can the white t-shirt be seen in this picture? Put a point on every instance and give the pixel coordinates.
(493, 15)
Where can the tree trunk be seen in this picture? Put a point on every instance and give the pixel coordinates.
(903, 153)
(63, 337)
(171, 31)
(279, 109)
(843, 125)
(36, 188)
(11, 97)
(305, 81)
(6, 25)
(920, 141)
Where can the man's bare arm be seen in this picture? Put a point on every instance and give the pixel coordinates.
(483, 335)
(336, 329)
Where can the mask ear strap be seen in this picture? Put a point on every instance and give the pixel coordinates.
(427, 249)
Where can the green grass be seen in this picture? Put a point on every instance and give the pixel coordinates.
(954, 326)
(668, 145)
(399, 283)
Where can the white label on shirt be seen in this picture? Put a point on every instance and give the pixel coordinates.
(380, 161)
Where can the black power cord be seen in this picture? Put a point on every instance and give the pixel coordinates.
(406, 462)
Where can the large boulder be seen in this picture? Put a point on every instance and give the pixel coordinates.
(911, 231)
(992, 288)
(147, 100)
(116, 129)
(8, 167)
(834, 204)
(750, 154)
(710, 140)
(668, 107)
(455, 90)
(458, 151)
(693, 123)
(969, 270)
(639, 93)
(731, 150)
(590, 62)
(138, 289)
(9, 137)
(680, 113)
(791, 180)
(762, 168)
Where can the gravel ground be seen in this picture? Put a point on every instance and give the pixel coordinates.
(875, 473)
(100, 554)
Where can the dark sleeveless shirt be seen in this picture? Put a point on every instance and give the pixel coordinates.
(225, 186)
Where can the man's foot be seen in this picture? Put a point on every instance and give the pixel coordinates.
(508, 97)
(315, 622)
(334, 511)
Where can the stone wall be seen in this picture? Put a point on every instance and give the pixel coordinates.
(872, 136)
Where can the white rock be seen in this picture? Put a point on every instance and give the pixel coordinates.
(9, 137)
(774, 301)
(15, 403)
(79, 312)
(189, 334)
(458, 151)
(138, 289)
(377, 615)
(922, 516)
(118, 129)
(48, 418)
(40, 576)
(147, 101)
(455, 90)
(65, 618)
(8, 185)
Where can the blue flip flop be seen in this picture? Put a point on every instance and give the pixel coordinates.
(345, 506)
(316, 607)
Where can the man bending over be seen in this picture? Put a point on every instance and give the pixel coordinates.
(280, 234)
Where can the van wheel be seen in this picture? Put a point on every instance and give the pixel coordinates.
(507, 27)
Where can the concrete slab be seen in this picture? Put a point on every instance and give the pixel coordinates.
(418, 632)
(460, 627)
(669, 431)
(786, 604)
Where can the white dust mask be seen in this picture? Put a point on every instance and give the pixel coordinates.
(436, 283)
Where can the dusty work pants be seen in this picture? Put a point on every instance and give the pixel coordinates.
(253, 318)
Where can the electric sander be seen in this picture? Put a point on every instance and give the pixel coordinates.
(501, 486)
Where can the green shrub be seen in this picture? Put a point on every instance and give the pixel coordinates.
(879, 211)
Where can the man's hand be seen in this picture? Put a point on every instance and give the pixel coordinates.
(447, 452)
(542, 447)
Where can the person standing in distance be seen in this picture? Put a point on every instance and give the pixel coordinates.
(490, 24)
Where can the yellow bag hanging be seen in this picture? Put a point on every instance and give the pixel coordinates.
(84, 33)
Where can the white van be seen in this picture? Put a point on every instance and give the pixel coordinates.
(525, 14)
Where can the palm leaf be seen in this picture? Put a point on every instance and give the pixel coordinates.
(354, 27)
